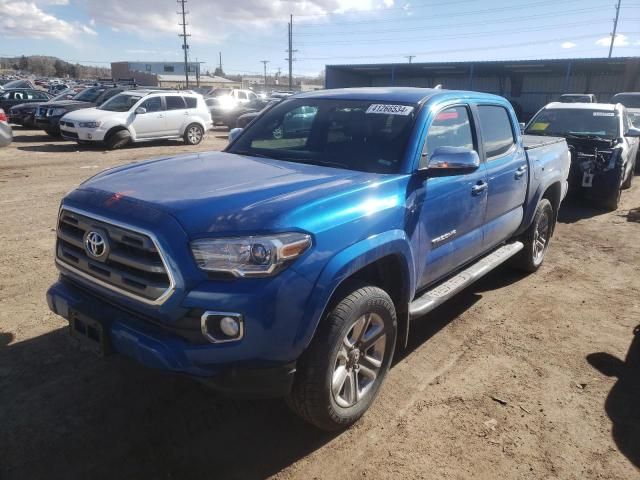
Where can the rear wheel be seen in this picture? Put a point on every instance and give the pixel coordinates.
(194, 134)
(339, 375)
(536, 238)
(118, 139)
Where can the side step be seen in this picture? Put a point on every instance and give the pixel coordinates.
(443, 292)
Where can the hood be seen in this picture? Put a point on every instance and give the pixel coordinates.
(218, 192)
(31, 105)
(69, 104)
(89, 114)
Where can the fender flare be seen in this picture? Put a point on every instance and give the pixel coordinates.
(191, 121)
(343, 265)
(117, 128)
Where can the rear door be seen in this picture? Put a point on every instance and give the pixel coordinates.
(453, 210)
(176, 114)
(506, 164)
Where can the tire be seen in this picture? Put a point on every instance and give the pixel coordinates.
(118, 139)
(612, 201)
(627, 183)
(193, 134)
(532, 255)
(54, 133)
(334, 356)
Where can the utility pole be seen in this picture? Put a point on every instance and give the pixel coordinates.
(615, 28)
(185, 45)
(264, 63)
(410, 57)
(290, 51)
(220, 66)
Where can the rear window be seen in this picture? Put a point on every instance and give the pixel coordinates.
(192, 102)
(174, 103)
(629, 101)
(497, 134)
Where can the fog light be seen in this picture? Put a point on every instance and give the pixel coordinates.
(229, 326)
(220, 327)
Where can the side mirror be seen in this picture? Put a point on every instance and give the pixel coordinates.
(141, 111)
(234, 133)
(522, 125)
(447, 161)
(633, 132)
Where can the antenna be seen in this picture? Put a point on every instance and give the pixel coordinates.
(184, 35)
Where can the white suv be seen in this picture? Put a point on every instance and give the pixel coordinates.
(139, 116)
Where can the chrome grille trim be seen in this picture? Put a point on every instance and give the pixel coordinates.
(94, 279)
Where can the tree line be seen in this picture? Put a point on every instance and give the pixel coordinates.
(43, 66)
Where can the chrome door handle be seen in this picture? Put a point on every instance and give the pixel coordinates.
(520, 171)
(478, 188)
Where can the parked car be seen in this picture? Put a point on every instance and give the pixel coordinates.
(140, 116)
(57, 88)
(17, 84)
(631, 100)
(603, 143)
(227, 113)
(16, 96)
(578, 98)
(24, 113)
(49, 114)
(243, 120)
(291, 266)
(6, 134)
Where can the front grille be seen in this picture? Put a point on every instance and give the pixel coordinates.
(68, 134)
(133, 265)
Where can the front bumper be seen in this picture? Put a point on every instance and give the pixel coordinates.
(50, 124)
(156, 346)
(69, 132)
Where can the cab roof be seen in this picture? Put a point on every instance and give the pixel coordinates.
(390, 94)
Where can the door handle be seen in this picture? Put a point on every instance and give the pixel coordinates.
(520, 171)
(161, 116)
(479, 187)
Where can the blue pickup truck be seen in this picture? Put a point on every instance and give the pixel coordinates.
(292, 263)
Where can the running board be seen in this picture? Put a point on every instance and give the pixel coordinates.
(443, 292)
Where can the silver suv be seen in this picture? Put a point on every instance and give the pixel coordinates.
(140, 116)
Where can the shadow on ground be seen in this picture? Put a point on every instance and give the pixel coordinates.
(66, 146)
(575, 208)
(67, 414)
(634, 215)
(623, 402)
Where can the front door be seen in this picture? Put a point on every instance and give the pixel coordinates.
(152, 123)
(506, 164)
(453, 209)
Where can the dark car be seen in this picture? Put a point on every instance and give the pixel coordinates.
(578, 98)
(24, 114)
(228, 114)
(17, 84)
(49, 114)
(243, 120)
(17, 96)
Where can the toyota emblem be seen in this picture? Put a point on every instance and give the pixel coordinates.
(96, 245)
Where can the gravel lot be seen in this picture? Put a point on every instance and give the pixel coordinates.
(516, 378)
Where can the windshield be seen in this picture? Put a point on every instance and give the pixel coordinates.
(356, 135)
(90, 94)
(120, 103)
(629, 101)
(66, 94)
(575, 99)
(564, 122)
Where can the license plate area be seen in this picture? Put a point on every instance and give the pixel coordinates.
(587, 180)
(90, 333)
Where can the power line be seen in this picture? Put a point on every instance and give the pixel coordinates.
(457, 50)
(445, 27)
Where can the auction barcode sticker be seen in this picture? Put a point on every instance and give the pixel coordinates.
(390, 109)
(604, 114)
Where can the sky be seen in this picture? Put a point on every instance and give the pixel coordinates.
(97, 32)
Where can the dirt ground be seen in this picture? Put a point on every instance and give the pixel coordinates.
(524, 377)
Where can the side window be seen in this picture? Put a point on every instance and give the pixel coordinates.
(450, 128)
(174, 102)
(152, 104)
(192, 102)
(497, 134)
(41, 96)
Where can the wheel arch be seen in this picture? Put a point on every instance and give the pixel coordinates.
(385, 260)
(115, 129)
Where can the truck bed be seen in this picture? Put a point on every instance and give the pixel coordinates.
(536, 141)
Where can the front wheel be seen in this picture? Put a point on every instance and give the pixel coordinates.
(536, 238)
(339, 376)
(193, 134)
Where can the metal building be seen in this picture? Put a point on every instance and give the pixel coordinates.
(528, 84)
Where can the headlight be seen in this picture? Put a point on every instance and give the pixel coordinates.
(258, 256)
(56, 112)
(89, 124)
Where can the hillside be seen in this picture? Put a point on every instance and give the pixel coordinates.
(51, 67)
